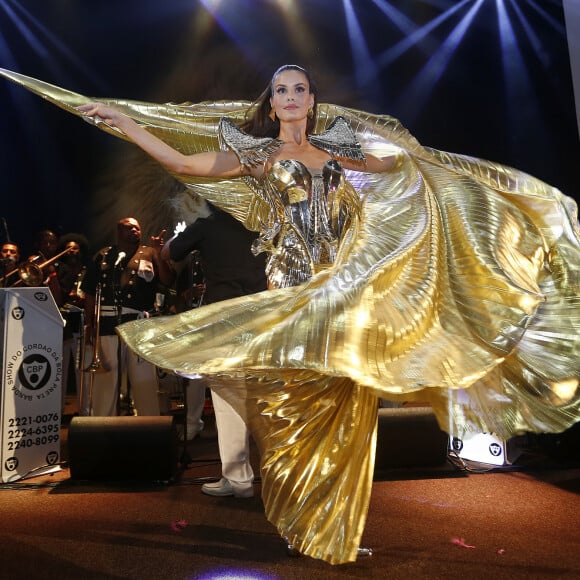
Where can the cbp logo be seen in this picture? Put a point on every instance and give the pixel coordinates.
(34, 372)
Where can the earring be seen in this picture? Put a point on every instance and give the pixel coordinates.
(272, 114)
(310, 113)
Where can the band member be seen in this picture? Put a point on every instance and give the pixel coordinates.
(70, 274)
(230, 270)
(44, 256)
(124, 278)
(73, 267)
(9, 260)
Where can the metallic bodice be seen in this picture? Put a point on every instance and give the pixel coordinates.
(308, 221)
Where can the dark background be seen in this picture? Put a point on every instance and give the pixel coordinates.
(479, 77)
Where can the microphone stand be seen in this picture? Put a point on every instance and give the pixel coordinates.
(3, 272)
(185, 458)
(118, 300)
(194, 279)
(4, 263)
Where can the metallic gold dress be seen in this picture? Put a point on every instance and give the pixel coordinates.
(455, 282)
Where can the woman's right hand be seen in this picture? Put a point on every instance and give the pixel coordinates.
(101, 112)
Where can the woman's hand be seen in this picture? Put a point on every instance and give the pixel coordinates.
(102, 112)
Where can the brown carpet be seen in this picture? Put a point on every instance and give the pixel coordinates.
(438, 523)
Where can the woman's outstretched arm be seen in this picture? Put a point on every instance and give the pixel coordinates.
(207, 164)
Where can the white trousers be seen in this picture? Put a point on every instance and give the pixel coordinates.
(233, 438)
(142, 377)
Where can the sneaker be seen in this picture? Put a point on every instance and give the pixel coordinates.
(223, 488)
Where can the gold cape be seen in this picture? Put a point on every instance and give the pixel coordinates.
(460, 288)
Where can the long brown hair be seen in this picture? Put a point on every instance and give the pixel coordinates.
(258, 122)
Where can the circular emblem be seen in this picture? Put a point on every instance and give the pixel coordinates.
(34, 372)
(11, 463)
(51, 458)
(18, 313)
(456, 444)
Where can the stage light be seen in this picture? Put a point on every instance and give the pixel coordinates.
(233, 574)
(421, 88)
(43, 43)
(413, 33)
(365, 70)
(517, 83)
(268, 21)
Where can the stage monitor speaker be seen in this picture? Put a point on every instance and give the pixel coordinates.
(409, 437)
(564, 446)
(123, 448)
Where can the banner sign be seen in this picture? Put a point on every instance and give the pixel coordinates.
(31, 360)
(469, 441)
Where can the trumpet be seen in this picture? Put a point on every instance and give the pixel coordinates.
(30, 273)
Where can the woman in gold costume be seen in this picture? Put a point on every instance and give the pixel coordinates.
(397, 271)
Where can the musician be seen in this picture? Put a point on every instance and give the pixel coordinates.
(70, 274)
(45, 245)
(128, 275)
(41, 268)
(73, 267)
(45, 249)
(9, 260)
(188, 293)
(230, 270)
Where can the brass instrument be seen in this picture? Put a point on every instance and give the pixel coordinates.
(96, 365)
(30, 273)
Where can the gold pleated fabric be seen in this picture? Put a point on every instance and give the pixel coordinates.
(316, 436)
(459, 287)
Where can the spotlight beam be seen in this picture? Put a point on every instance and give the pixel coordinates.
(365, 70)
(533, 38)
(520, 102)
(44, 43)
(413, 37)
(422, 86)
(547, 18)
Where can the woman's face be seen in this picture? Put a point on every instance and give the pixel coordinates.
(291, 97)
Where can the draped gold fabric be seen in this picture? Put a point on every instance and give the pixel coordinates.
(458, 287)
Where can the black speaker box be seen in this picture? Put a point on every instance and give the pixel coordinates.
(123, 448)
(409, 437)
(564, 446)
